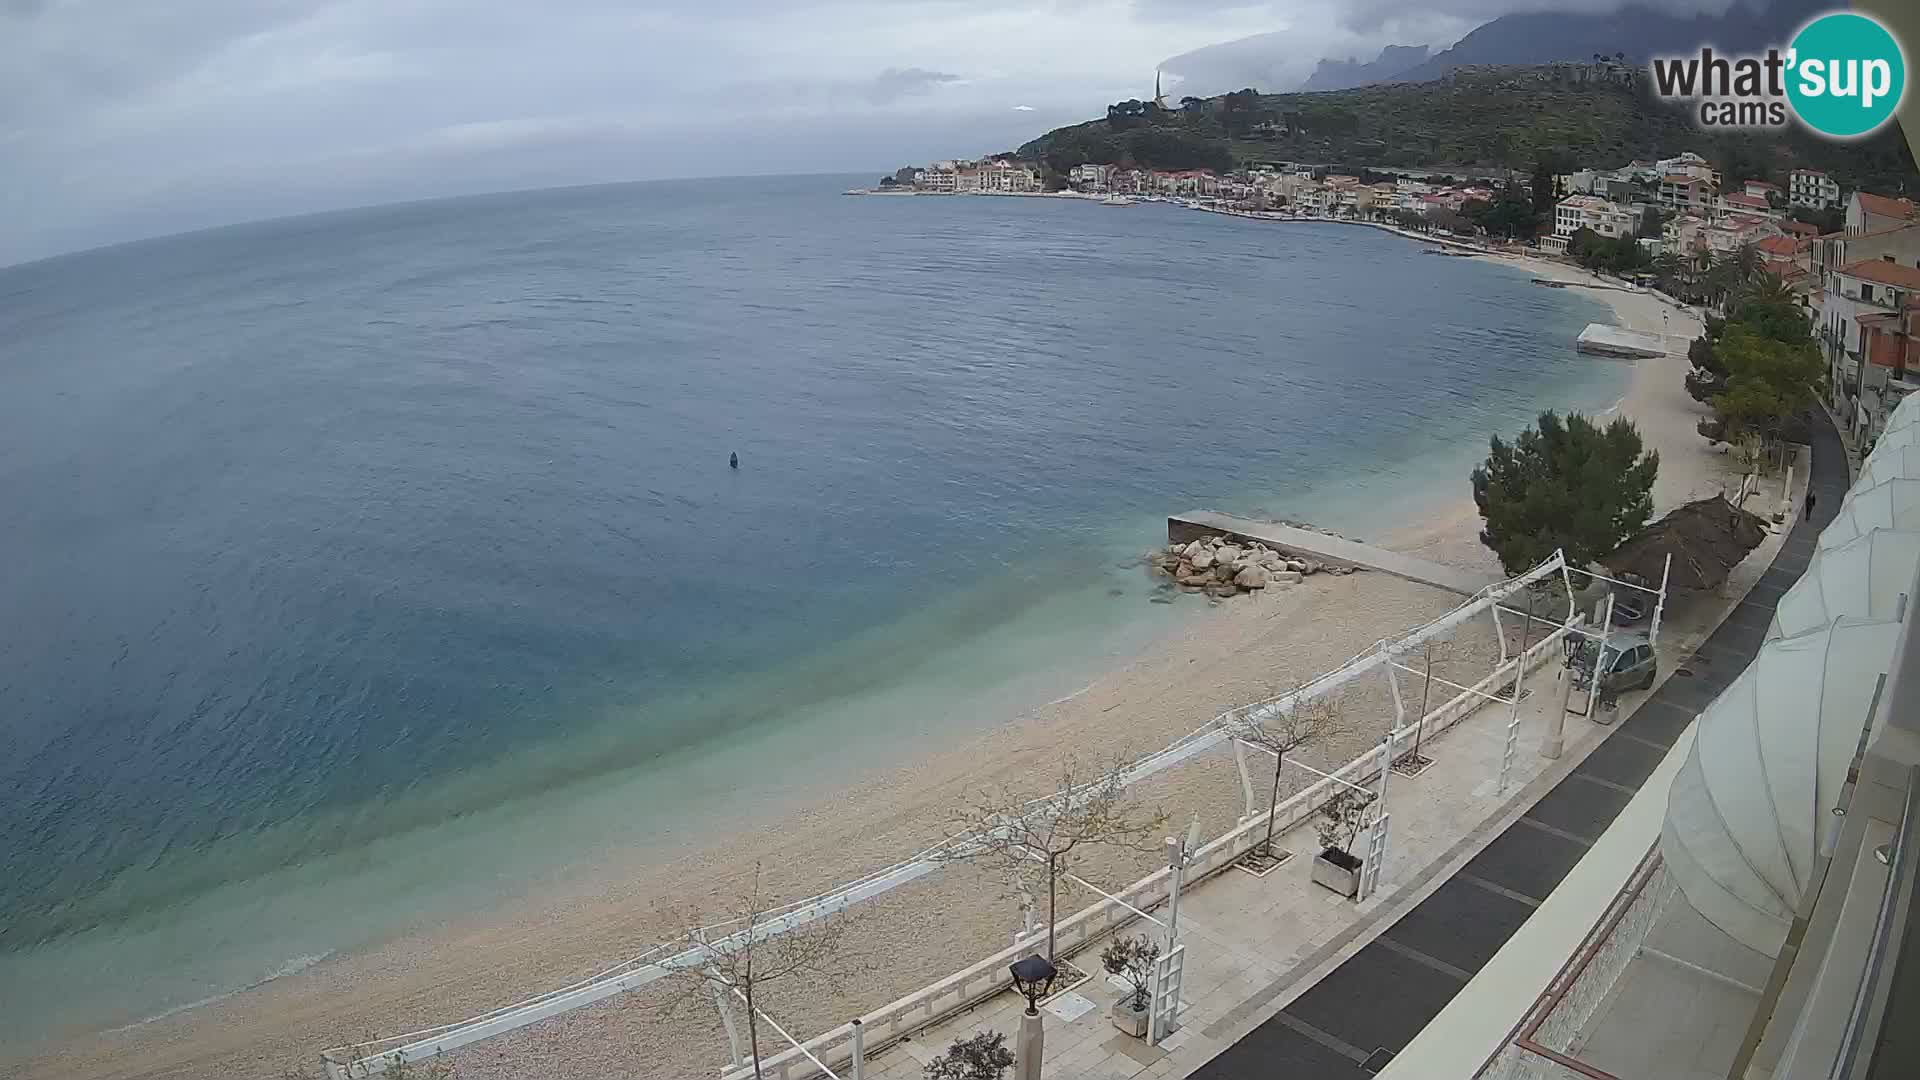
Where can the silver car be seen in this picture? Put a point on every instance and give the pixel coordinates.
(1629, 663)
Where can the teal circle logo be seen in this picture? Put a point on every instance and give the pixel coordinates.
(1846, 74)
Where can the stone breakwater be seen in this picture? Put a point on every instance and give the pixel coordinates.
(1222, 566)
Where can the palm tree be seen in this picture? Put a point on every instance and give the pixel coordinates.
(1769, 288)
(1715, 279)
(1746, 264)
(1669, 270)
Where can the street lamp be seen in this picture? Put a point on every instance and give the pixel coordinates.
(1033, 977)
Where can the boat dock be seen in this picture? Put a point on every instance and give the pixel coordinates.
(1324, 549)
(1619, 343)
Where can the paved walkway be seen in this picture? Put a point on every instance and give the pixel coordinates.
(1252, 940)
(1335, 550)
(1351, 1022)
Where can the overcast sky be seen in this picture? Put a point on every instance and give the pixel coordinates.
(128, 118)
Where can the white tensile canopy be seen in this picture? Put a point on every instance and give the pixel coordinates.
(1906, 414)
(1889, 504)
(1888, 463)
(1864, 577)
(1897, 438)
(1747, 811)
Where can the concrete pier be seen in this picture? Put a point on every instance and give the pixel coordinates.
(1324, 549)
(1619, 343)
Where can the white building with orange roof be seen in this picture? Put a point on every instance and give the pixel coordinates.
(1744, 202)
(1866, 287)
(1867, 212)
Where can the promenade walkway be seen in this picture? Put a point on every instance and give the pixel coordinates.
(1332, 550)
(1349, 1023)
(1284, 978)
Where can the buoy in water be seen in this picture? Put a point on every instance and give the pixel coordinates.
(733, 461)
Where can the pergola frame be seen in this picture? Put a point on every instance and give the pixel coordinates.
(646, 968)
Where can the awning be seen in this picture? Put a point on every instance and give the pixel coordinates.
(1864, 577)
(1748, 809)
(1906, 414)
(1889, 463)
(1893, 503)
(1707, 539)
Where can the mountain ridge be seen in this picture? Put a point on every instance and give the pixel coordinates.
(1393, 61)
(1637, 30)
(1480, 119)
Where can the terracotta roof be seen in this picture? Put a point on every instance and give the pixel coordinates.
(1809, 172)
(1883, 272)
(1763, 184)
(1882, 206)
(1785, 246)
(1737, 199)
(1681, 178)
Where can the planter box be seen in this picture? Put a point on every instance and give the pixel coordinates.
(1338, 871)
(1128, 1019)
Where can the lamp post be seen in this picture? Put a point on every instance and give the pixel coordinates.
(1033, 977)
(1179, 852)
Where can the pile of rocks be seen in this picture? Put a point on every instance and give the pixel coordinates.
(1224, 566)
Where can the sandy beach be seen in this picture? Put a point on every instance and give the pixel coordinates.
(1224, 655)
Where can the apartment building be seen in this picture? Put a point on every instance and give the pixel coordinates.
(1812, 188)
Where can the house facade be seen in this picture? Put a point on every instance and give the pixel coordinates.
(1867, 212)
(1812, 188)
(1686, 194)
(1091, 177)
(1865, 289)
(1609, 219)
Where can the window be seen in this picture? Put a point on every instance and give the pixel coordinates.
(1866, 292)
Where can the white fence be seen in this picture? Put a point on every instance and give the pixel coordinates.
(660, 961)
(963, 989)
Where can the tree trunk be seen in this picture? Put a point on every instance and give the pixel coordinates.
(1526, 633)
(1420, 721)
(1050, 906)
(753, 1028)
(1273, 805)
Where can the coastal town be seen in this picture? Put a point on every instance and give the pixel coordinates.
(1852, 257)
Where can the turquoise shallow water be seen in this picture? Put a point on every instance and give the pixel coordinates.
(393, 555)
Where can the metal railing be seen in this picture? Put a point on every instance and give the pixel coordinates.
(1569, 1001)
(935, 1002)
(660, 961)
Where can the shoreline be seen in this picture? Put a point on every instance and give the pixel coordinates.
(1211, 660)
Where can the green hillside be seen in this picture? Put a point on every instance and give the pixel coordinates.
(1507, 118)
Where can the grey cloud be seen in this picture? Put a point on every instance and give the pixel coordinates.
(895, 83)
(120, 117)
(1370, 15)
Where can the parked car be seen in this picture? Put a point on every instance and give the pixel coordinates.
(1629, 664)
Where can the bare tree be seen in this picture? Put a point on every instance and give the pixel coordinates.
(398, 1065)
(1019, 833)
(753, 953)
(1304, 720)
(1434, 652)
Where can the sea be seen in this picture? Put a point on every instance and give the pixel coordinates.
(375, 568)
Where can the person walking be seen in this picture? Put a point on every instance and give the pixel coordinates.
(1808, 515)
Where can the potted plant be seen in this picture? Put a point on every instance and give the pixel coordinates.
(1336, 866)
(1131, 959)
(983, 1057)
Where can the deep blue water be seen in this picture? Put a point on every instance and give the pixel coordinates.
(322, 532)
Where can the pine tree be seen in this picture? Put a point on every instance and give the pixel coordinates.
(1571, 486)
